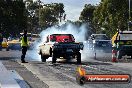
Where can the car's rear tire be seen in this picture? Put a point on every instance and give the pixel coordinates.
(78, 57)
(54, 58)
(43, 58)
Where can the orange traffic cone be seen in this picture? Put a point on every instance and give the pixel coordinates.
(114, 59)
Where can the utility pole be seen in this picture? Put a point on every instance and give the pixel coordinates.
(39, 12)
(39, 26)
(129, 15)
(1, 27)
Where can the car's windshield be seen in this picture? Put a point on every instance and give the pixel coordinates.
(101, 37)
(62, 38)
(125, 36)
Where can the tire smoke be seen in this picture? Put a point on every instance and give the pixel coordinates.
(79, 34)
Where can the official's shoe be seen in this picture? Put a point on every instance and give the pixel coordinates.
(24, 62)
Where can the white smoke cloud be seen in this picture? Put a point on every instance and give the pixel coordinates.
(79, 34)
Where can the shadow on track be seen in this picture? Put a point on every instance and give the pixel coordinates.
(8, 58)
(83, 63)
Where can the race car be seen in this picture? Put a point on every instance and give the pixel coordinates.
(14, 44)
(100, 42)
(60, 45)
(4, 44)
(122, 46)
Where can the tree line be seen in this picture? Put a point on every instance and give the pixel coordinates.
(12, 17)
(17, 15)
(106, 17)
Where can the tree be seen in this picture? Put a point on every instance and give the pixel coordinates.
(47, 18)
(12, 18)
(86, 15)
(42, 15)
(51, 14)
(111, 15)
(32, 13)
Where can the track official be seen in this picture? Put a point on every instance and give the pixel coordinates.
(24, 45)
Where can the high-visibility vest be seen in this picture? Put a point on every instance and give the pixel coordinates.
(23, 43)
(114, 38)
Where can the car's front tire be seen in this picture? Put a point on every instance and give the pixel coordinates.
(54, 58)
(78, 57)
(43, 58)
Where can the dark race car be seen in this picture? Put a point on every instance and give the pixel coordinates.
(122, 47)
(100, 42)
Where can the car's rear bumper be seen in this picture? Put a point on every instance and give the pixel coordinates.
(125, 52)
(64, 52)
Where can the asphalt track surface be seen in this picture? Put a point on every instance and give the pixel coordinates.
(63, 74)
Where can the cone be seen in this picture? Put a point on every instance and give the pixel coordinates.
(114, 59)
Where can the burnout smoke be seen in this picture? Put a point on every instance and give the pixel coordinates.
(79, 34)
